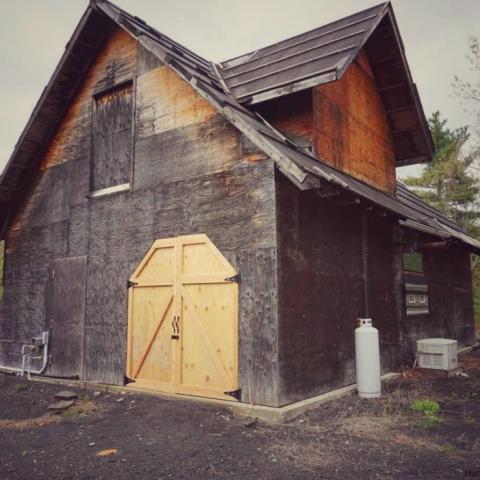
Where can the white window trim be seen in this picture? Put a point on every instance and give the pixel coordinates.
(124, 187)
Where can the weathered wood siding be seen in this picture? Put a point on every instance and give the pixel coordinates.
(450, 298)
(292, 115)
(351, 128)
(55, 218)
(203, 177)
(344, 121)
(338, 262)
(112, 139)
(192, 173)
(66, 316)
(320, 290)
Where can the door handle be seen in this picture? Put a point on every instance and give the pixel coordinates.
(176, 327)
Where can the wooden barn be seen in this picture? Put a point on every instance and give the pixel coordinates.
(216, 229)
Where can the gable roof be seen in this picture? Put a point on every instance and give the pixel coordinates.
(323, 55)
(299, 165)
(311, 58)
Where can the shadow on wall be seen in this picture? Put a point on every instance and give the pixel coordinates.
(2, 248)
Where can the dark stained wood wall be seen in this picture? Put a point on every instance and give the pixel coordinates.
(450, 297)
(192, 173)
(320, 292)
(323, 287)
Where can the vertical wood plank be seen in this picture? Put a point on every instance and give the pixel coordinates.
(68, 317)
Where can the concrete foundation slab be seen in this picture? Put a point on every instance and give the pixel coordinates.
(267, 414)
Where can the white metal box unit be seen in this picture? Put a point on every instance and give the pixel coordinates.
(437, 353)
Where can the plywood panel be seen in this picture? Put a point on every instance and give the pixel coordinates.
(114, 64)
(191, 151)
(351, 128)
(166, 102)
(68, 317)
(258, 360)
(106, 319)
(292, 115)
(70, 147)
(112, 138)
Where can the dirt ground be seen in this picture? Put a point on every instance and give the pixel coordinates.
(115, 436)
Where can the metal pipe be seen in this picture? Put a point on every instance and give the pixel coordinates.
(23, 369)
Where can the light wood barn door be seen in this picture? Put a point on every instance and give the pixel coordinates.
(183, 319)
(151, 312)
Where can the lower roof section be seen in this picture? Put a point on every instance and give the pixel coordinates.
(410, 209)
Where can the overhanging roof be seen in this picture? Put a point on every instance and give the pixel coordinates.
(311, 58)
(306, 171)
(323, 55)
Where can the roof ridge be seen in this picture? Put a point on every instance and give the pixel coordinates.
(253, 52)
(150, 27)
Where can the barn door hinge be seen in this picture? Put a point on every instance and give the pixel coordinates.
(131, 284)
(234, 393)
(235, 278)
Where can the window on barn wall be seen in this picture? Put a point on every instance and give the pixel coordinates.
(415, 282)
(413, 262)
(112, 141)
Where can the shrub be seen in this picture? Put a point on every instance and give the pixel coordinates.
(426, 406)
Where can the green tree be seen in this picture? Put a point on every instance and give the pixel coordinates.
(448, 182)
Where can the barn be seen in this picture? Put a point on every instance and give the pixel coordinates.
(216, 229)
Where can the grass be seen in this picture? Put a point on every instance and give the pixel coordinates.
(426, 406)
(429, 408)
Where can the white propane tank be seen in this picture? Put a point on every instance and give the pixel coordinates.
(367, 359)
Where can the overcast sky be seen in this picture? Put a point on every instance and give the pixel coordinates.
(33, 35)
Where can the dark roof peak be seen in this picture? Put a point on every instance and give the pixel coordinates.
(239, 59)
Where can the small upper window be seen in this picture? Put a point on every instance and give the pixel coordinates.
(413, 262)
(415, 282)
(112, 140)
